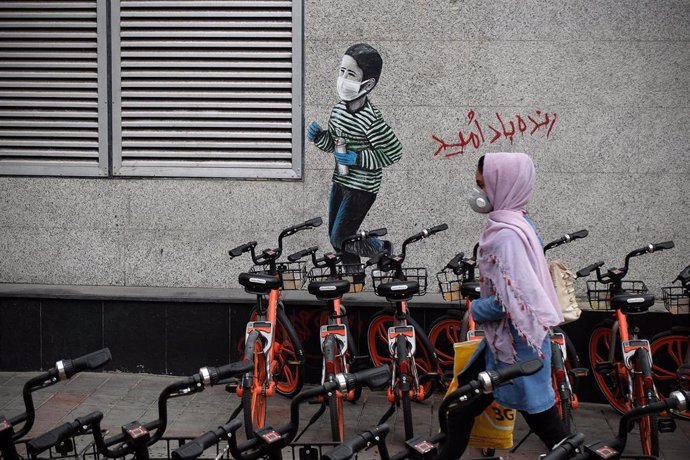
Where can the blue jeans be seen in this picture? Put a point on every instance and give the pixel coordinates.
(347, 209)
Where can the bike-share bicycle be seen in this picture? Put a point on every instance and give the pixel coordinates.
(328, 281)
(399, 334)
(271, 342)
(620, 360)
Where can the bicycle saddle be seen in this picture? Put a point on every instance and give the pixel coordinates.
(259, 283)
(398, 290)
(470, 289)
(329, 289)
(632, 303)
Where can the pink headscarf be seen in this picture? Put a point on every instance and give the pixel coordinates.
(511, 259)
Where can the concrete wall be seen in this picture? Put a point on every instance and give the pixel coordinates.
(616, 73)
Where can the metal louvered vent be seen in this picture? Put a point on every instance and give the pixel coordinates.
(52, 95)
(207, 88)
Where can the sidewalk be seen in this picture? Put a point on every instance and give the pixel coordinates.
(127, 397)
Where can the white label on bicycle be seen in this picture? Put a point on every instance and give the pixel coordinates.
(405, 331)
(477, 334)
(630, 347)
(339, 331)
(399, 287)
(265, 328)
(559, 339)
(635, 300)
(327, 288)
(257, 280)
(477, 289)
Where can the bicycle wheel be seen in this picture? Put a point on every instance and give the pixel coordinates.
(561, 391)
(404, 389)
(668, 354)
(334, 366)
(288, 356)
(612, 382)
(377, 339)
(254, 398)
(649, 424)
(445, 332)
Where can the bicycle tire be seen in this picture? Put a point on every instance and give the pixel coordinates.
(668, 353)
(335, 400)
(561, 392)
(288, 354)
(254, 398)
(445, 332)
(649, 424)
(613, 385)
(377, 340)
(402, 353)
(572, 360)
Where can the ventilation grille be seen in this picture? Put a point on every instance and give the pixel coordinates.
(205, 84)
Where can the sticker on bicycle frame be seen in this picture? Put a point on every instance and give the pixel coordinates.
(606, 452)
(265, 328)
(477, 334)
(424, 447)
(269, 435)
(340, 333)
(630, 347)
(407, 332)
(559, 339)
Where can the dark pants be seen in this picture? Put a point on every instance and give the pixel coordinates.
(547, 425)
(347, 209)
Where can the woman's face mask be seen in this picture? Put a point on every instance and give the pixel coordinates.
(478, 200)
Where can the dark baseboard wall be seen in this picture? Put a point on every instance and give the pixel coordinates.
(173, 331)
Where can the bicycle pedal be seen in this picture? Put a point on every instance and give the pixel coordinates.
(604, 367)
(666, 425)
(579, 372)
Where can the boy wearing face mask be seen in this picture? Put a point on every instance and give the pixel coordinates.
(371, 146)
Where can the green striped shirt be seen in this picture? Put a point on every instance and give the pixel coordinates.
(366, 133)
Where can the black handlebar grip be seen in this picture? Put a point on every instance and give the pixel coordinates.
(239, 250)
(62, 432)
(373, 377)
(347, 449)
(518, 369)
(196, 447)
(90, 419)
(589, 269)
(91, 361)
(662, 246)
(454, 262)
(579, 234)
(436, 229)
(566, 449)
(375, 259)
(304, 252)
(315, 222)
(378, 232)
(216, 374)
(684, 276)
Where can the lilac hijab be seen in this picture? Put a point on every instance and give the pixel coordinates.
(511, 259)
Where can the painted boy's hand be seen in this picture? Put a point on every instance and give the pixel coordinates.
(347, 159)
(313, 130)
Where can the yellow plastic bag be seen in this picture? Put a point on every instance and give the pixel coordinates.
(493, 428)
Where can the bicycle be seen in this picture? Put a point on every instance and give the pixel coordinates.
(670, 351)
(271, 341)
(571, 447)
(622, 362)
(328, 282)
(63, 370)
(413, 379)
(136, 437)
(436, 446)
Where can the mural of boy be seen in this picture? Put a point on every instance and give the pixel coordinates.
(362, 144)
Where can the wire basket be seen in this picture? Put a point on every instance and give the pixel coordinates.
(292, 274)
(599, 294)
(354, 273)
(676, 299)
(449, 283)
(419, 275)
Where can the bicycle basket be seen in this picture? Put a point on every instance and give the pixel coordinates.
(419, 275)
(354, 273)
(449, 283)
(599, 294)
(292, 274)
(676, 299)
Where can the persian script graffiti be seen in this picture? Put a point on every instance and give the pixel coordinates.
(476, 135)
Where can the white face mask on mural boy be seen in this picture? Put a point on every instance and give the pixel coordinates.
(350, 85)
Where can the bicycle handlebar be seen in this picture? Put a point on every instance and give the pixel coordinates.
(684, 276)
(565, 449)
(347, 449)
(68, 367)
(567, 238)
(239, 250)
(303, 253)
(589, 269)
(58, 434)
(196, 447)
(212, 375)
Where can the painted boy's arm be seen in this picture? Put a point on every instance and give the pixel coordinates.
(324, 141)
(385, 148)
(487, 309)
